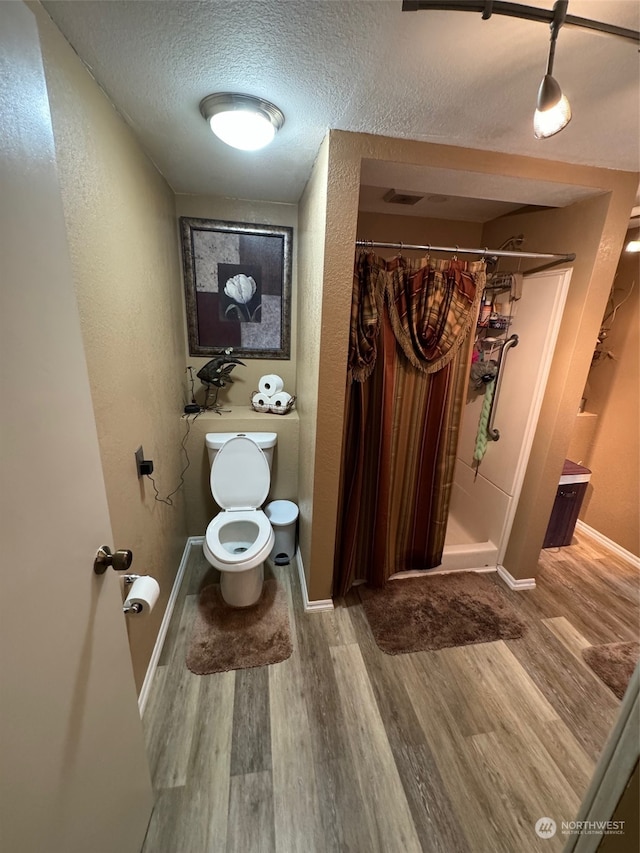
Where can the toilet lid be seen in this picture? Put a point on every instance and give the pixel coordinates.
(240, 475)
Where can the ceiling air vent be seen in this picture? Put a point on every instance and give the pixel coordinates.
(393, 197)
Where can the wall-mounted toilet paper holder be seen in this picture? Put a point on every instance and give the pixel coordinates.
(143, 594)
(128, 581)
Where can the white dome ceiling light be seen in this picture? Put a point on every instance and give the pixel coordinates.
(242, 121)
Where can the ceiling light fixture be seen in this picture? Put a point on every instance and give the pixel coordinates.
(242, 121)
(553, 111)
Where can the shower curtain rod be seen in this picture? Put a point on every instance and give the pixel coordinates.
(494, 253)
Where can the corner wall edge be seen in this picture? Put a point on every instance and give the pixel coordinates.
(515, 583)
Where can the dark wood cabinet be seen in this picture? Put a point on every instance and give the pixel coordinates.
(567, 505)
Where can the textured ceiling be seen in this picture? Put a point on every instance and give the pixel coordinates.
(360, 65)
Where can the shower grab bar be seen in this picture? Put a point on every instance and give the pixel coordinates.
(492, 432)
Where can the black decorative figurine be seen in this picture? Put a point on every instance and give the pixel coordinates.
(215, 375)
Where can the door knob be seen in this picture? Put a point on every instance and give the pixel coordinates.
(120, 561)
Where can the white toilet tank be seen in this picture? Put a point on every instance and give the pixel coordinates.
(265, 440)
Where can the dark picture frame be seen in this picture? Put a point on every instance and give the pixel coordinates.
(237, 280)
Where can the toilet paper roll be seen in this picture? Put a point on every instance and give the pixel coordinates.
(270, 384)
(280, 401)
(261, 402)
(144, 591)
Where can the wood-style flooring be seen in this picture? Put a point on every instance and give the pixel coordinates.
(343, 749)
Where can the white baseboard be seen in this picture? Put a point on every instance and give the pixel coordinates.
(310, 606)
(609, 544)
(516, 583)
(164, 625)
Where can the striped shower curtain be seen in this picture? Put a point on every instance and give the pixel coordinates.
(408, 366)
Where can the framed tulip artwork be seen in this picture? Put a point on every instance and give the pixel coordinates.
(237, 280)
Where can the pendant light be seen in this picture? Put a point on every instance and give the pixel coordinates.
(242, 121)
(553, 112)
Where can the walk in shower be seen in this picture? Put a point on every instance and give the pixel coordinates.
(483, 503)
(410, 468)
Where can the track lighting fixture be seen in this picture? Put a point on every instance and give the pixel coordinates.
(553, 111)
(242, 121)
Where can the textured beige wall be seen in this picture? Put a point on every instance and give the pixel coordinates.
(343, 181)
(254, 212)
(612, 501)
(312, 232)
(594, 230)
(419, 230)
(602, 241)
(120, 218)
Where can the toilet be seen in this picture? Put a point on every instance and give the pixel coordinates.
(240, 538)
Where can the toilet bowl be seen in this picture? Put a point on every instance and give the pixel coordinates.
(240, 538)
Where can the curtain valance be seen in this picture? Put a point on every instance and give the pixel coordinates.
(431, 304)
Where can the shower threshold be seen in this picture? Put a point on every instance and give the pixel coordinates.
(469, 557)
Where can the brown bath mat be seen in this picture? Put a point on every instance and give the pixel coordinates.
(225, 638)
(613, 663)
(439, 611)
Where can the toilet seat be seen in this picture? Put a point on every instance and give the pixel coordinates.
(240, 475)
(219, 557)
(240, 479)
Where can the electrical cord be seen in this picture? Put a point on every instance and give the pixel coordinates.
(183, 448)
(192, 384)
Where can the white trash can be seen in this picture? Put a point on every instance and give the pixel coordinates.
(283, 516)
